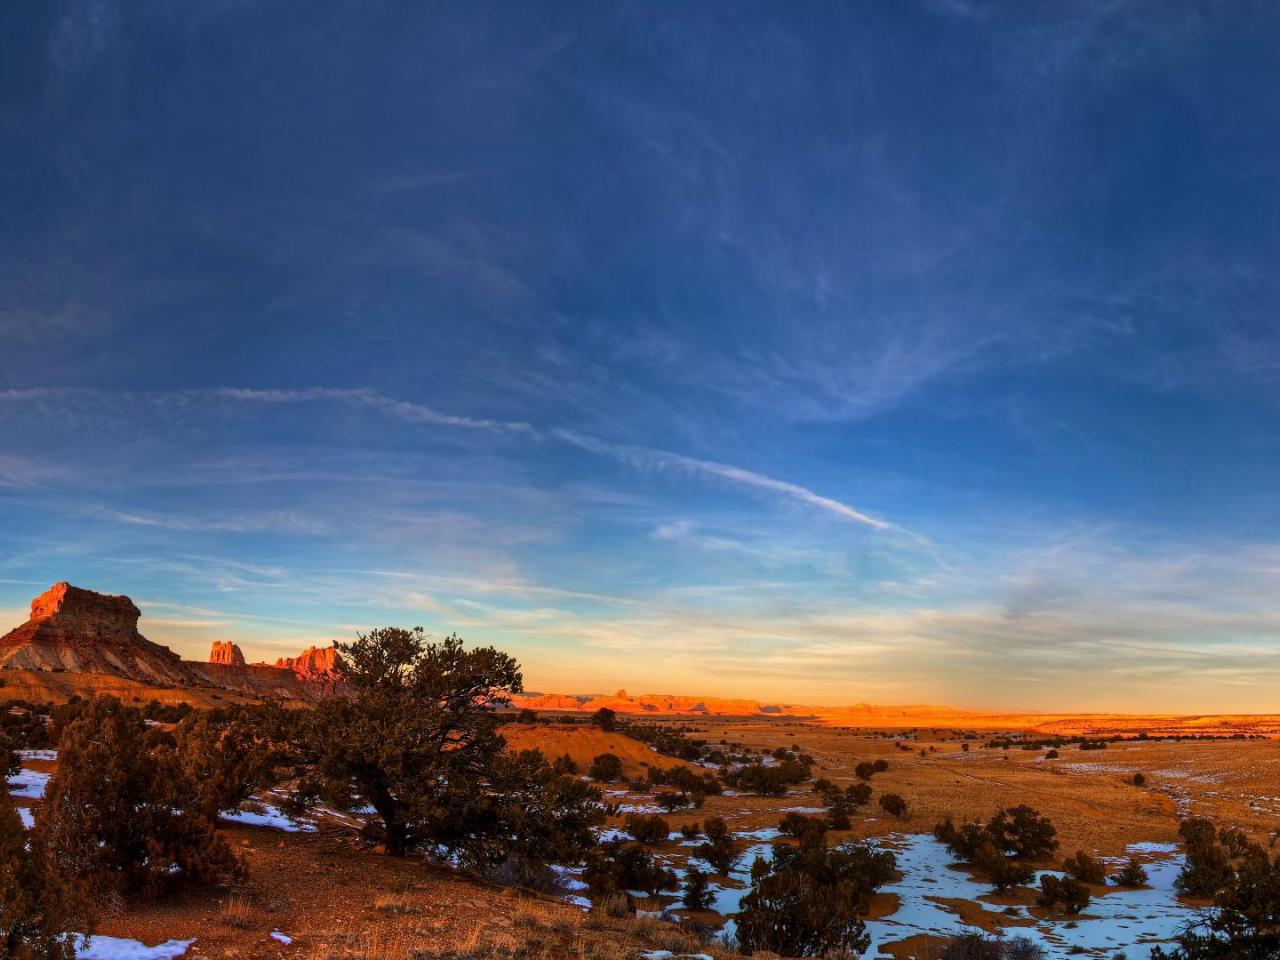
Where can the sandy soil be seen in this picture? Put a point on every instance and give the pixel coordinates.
(585, 743)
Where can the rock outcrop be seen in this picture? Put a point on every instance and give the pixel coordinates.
(313, 664)
(74, 632)
(226, 654)
(85, 632)
(658, 705)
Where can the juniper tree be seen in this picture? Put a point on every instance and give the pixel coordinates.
(809, 900)
(696, 893)
(531, 816)
(719, 850)
(1085, 868)
(894, 805)
(37, 904)
(120, 815)
(650, 830)
(1070, 893)
(413, 732)
(224, 758)
(1132, 874)
(607, 767)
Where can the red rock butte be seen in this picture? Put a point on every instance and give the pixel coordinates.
(314, 663)
(82, 631)
(226, 654)
(77, 631)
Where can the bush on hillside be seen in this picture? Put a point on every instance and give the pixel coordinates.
(1065, 892)
(605, 768)
(980, 946)
(806, 829)
(719, 850)
(1132, 874)
(696, 893)
(1003, 847)
(1085, 868)
(37, 903)
(614, 868)
(767, 781)
(649, 830)
(1207, 869)
(1244, 923)
(1022, 832)
(223, 757)
(121, 815)
(529, 817)
(894, 805)
(809, 901)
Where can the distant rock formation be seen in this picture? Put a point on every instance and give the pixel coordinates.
(227, 654)
(313, 664)
(85, 632)
(657, 704)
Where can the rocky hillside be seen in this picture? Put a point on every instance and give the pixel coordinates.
(85, 632)
(90, 639)
(313, 664)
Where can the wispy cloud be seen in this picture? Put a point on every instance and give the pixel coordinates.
(184, 399)
(24, 472)
(279, 521)
(646, 458)
(642, 458)
(371, 400)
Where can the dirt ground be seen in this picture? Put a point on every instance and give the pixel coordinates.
(337, 898)
(1088, 795)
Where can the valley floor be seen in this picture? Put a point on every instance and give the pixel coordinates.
(319, 892)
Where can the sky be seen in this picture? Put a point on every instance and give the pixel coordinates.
(911, 352)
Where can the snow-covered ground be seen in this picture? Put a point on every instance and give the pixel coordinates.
(1132, 921)
(115, 948)
(28, 784)
(1128, 920)
(268, 816)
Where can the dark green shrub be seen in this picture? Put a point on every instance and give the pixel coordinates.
(605, 768)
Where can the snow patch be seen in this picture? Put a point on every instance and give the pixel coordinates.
(116, 948)
(29, 784)
(271, 817)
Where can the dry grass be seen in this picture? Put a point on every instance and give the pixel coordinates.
(237, 910)
(614, 905)
(393, 903)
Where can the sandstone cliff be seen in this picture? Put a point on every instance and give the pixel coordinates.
(78, 633)
(313, 664)
(81, 631)
(227, 654)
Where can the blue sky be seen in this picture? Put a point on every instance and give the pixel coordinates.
(889, 352)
